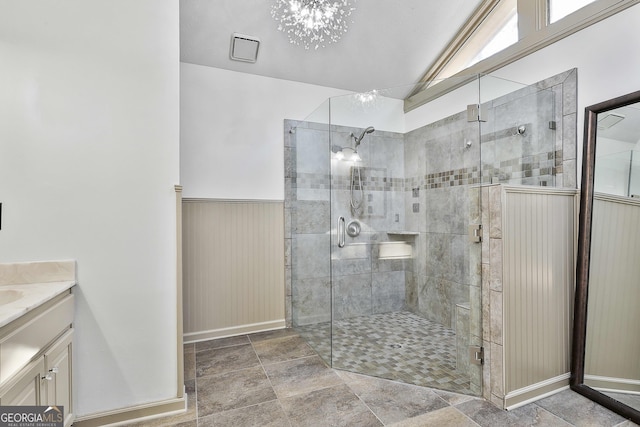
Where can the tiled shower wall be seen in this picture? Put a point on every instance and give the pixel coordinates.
(363, 283)
(544, 154)
(440, 169)
(424, 181)
(527, 137)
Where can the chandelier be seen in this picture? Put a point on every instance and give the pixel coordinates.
(312, 23)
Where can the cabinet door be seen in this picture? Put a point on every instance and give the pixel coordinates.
(25, 388)
(57, 366)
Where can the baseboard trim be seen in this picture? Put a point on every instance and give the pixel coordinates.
(526, 395)
(251, 328)
(612, 384)
(137, 413)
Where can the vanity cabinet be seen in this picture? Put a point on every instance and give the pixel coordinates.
(26, 387)
(36, 357)
(57, 375)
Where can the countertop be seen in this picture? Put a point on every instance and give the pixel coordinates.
(32, 295)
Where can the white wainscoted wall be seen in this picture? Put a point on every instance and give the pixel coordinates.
(528, 256)
(233, 253)
(612, 356)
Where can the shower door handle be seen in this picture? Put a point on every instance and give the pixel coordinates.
(341, 234)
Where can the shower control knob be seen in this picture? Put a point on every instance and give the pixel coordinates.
(353, 228)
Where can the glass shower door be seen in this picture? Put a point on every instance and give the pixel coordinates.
(307, 221)
(405, 276)
(369, 257)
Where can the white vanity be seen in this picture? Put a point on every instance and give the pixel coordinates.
(36, 334)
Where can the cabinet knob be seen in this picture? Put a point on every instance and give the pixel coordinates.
(54, 370)
(47, 377)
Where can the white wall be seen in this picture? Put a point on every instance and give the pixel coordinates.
(477, 91)
(232, 131)
(89, 146)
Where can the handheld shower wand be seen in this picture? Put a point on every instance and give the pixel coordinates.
(364, 132)
(356, 177)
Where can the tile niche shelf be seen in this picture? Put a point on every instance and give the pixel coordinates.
(399, 245)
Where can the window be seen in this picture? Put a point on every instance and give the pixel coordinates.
(558, 9)
(504, 37)
(502, 31)
(492, 28)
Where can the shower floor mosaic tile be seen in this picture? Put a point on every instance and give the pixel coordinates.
(399, 345)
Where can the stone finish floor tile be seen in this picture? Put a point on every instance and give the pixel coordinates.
(392, 401)
(222, 343)
(445, 417)
(268, 414)
(267, 335)
(301, 376)
(334, 406)
(632, 400)
(282, 349)
(231, 386)
(486, 414)
(233, 390)
(579, 411)
(219, 360)
(533, 415)
(627, 423)
(453, 398)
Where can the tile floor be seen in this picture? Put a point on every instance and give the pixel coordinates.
(398, 345)
(276, 379)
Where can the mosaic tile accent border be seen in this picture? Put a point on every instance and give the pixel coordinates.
(369, 182)
(543, 166)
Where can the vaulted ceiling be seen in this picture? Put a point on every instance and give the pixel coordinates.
(390, 43)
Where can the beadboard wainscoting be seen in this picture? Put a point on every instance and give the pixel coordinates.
(234, 278)
(528, 285)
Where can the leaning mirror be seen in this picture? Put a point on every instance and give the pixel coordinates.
(606, 345)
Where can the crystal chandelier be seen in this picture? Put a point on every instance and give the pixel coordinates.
(312, 23)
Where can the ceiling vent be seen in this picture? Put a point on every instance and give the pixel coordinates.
(609, 120)
(244, 48)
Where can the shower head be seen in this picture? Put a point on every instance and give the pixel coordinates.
(364, 132)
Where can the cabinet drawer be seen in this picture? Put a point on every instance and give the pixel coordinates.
(19, 347)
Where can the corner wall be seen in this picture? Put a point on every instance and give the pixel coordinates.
(89, 128)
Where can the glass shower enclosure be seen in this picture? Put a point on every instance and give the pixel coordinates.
(383, 212)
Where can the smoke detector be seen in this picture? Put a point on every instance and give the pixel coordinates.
(244, 48)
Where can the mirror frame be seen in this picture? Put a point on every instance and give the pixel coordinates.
(582, 266)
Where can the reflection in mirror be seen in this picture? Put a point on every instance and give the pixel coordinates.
(606, 342)
(612, 354)
(618, 152)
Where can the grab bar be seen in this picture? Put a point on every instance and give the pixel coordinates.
(341, 235)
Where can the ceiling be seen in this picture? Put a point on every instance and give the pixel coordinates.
(626, 130)
(390, 43)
